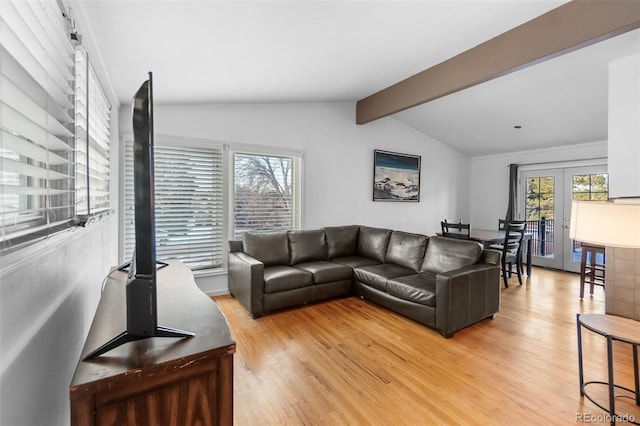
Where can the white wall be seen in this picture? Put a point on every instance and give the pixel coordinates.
(338, 161)
(490, 177)
(47, 302)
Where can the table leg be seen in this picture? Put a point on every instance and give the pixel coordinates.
(580, 368)
(592, 273)
(612, 400)
(635, 373)
(583, 268)
(529, 256)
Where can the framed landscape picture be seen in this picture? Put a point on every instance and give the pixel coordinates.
(396, 177)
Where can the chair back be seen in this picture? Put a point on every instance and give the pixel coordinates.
(502, 223)
(456, 230)
(511, 248)
(513, 236)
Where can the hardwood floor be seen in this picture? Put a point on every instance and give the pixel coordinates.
(349, 361)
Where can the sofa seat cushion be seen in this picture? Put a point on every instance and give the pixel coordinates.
(377, 275)
(281, 278)
(355, 261)
(418, 288)
(326, 272)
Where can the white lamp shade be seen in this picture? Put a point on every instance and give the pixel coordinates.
(605, 223)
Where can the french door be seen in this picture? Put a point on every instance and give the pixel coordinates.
(546, 206)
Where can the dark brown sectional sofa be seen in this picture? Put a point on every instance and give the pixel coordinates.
(443, 283)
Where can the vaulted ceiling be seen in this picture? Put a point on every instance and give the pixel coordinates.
(333, 51)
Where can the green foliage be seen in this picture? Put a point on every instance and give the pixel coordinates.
(541, 190)
(590, 187)
(539, 203)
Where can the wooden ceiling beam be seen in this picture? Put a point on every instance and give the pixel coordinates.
(569, 27)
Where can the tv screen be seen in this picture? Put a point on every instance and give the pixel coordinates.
(141, 292)
(143, 182)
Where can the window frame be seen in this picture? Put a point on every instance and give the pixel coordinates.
(93, 155)
(227, 189)
(297, 184)
(126, 194)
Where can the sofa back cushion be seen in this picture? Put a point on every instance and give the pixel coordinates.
(307, 246)
(342, 241)
(270, 248)
(373, 243)
(407, 250)
(447, 254)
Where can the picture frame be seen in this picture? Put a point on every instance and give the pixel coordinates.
(396, 177)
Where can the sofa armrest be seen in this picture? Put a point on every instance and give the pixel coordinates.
(246, 282)
(465, 296)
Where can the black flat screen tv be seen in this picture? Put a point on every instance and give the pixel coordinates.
(141, 294)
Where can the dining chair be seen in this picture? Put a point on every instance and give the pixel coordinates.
(511, 248)
(501, 226)
(456, 230)
(503, 222)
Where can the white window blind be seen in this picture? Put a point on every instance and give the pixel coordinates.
(82, 153)
(36, 120)
(93, 133)
(266, 192)
(188, 203)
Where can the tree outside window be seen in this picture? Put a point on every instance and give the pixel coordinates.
(540, 194)
(265, 196)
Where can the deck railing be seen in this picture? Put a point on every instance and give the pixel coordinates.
(542, 243)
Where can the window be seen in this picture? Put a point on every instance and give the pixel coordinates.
(590, 187)
(54, 120)
(188, 203)
(266, 192)
(540, 197)
(92, 139)
(36, 119)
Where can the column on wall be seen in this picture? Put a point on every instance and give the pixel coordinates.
(622, 291)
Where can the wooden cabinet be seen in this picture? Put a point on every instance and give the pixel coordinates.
(157, 381)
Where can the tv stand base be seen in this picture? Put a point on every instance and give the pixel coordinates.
(126, 337)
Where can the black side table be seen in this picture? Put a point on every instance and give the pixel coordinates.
(612, 328)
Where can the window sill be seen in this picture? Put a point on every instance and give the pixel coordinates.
(210, 272)
(89, 219)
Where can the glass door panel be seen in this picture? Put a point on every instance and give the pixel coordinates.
(585, 184)
(547, 210)
(542, 190)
